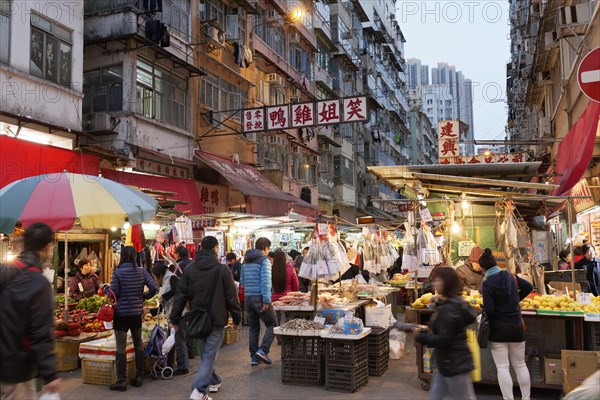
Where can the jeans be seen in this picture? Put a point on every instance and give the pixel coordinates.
(253, 306)
(18, 391)
(209, 348)
(501, 353)
(180, 348)
(452, 387)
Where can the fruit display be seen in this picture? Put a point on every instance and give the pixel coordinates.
(551, 303)
(474, 299)
(399, 280)
(422, 301)
(593, 308)
(91, 304)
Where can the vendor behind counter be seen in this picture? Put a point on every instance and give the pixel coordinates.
(85, 283)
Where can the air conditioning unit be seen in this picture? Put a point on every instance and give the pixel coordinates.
(545, 127)
(215, 36)
(97, 122)
(276, 141)
(275, 80)
(348, 76)
(294, 38)
(550, 40)
(295, 93)
(347, 35)
(577, 14)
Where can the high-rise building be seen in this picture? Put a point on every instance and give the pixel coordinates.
(449, 96)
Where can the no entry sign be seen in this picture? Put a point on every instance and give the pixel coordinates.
(588, 75)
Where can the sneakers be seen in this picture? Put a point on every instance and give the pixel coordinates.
(263, 357)
(254, 360)
(196, 395)
(214, 388)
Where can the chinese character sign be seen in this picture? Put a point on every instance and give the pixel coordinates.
(491, 158)
(278, 117)
(253, 120)
(355, 109)
(328, 112)
(302, 115)
(448, 137)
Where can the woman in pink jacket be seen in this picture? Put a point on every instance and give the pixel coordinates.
(284, 278)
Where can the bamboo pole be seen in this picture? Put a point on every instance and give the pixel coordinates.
(570, 216)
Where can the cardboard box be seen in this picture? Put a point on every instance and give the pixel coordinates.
(553, 369)
(577, 366)
(560, 288)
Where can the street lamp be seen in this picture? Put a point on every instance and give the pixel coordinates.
(295, 14)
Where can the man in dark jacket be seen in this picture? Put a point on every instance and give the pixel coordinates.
(207, 285)
(183, 258)
(591, 264)
(27, 345)
(470, 273)
(234, 265)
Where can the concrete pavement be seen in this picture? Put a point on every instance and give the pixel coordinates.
(241, 381)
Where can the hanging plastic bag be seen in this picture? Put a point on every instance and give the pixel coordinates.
(397, 344)
(473, 344)
(169, 343)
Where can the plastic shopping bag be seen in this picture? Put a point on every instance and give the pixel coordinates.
(169, 343)
(50, 396)
(397, 344)
(473, 344)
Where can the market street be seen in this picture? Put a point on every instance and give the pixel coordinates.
(241, 381)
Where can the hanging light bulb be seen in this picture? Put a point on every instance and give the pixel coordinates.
(126, 225)
(465, 204)
(9, 255)
(455, 227)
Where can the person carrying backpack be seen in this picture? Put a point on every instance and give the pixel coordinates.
(27, 315)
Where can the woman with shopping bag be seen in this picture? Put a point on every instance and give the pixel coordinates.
(447, 334)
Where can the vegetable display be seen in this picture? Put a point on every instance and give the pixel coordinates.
(91, 304)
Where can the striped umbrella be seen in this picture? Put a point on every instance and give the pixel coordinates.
(64, 200)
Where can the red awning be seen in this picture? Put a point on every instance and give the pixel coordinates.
(576, 149)
(23, 159)
(305, 208)
(184, 189)
(263, 197)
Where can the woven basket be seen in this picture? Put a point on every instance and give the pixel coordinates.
(67, 355)
(101, 372)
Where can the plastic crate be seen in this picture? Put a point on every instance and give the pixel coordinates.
(101, 372)
(346, 379)
(302, 348)
(346, 353)
(302, 373)
(379, 341)
(378, 366)
(592, 336)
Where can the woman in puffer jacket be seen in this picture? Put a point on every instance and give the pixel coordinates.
(448, 336)
(127, 284)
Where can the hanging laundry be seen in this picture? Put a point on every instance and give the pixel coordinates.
(183, 225)
(248, 57)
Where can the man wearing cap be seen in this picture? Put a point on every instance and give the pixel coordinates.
(470, 273)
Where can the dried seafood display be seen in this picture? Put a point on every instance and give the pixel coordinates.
(303, 324)
(293, 299)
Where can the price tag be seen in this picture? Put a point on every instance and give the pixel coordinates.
(425, 215)
(108, 325)
(348, 316)
(584, 298)
(322, 229)
(320, 320)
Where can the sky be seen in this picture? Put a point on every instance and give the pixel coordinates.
(474, 37)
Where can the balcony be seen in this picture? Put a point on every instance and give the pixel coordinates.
(323, 76)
